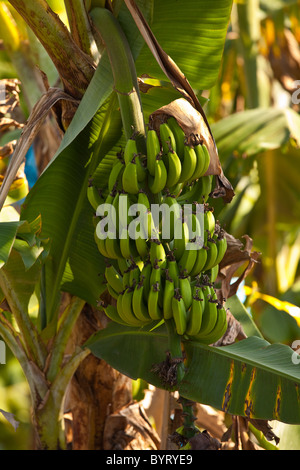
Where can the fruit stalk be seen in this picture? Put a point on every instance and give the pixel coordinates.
(124, 73)
(175, 348)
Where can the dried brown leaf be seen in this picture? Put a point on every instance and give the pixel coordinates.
(11, 96)
(8, 124)
(204, 441)
(235, 257)
(285, 59)
(7, 149)
(129, 429)
(165, 62)
(264, 426)
(31, 129)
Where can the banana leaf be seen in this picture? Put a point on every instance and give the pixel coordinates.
(253, 131)
(271, 137)
(59, 197)
(251, 378)
(8, 232)
(192, 33)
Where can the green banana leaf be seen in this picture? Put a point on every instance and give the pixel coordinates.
(192, 33)
(21, 236)
(253, 131)
(23, 280)
(250, 378)
(8, 233)
(271, 137)
(240, 312)
(288, 434)
(59, 197)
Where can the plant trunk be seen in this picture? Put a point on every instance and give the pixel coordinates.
(95, 392)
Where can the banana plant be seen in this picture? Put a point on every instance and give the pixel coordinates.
(117, 89)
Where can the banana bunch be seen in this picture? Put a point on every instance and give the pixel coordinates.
(153, 277)
(196, 312)
(171, 161)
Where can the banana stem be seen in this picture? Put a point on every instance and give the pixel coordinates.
(35, 349)
(124, 73)
(189, 428)
(56, 39)
(175, 349)
(66, 324)
(48, 416)
(80, 26)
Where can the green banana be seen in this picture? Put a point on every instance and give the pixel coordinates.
(175, 190)
(222, 247)
(210, 313)
(167, 138)
(130, 150)
(154, 309)
(130, 178)
(122, 265)
(185, 290)
(112, 313)
(139, 307)
(115, 176)
(146, 275)
(209, 222)
(181, 238)
(212, 254)
(200, 262)
(127, 311)
(153, 150)
(197, 192)
(114, 278)
(112, 292)
(112, 247)
(207, 158)
(158, 182)
(115, 205)
(179, 314)
(127, 246)
(134, 276)
(143, 200)
(175, 213)
(147, 226)
(126, 279)
(123, 216)
(169, 292)
(206, 187)
(179, 136)
(101, 246)
(195, 316)
(214, 273)
(94, 196)
(157, 253)
(203, 161)
(189, 164)
(218, 331)
(174, 169)
(172, 268)
(155, 277)
(142, 247)
(188, 260)
(141, 170)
